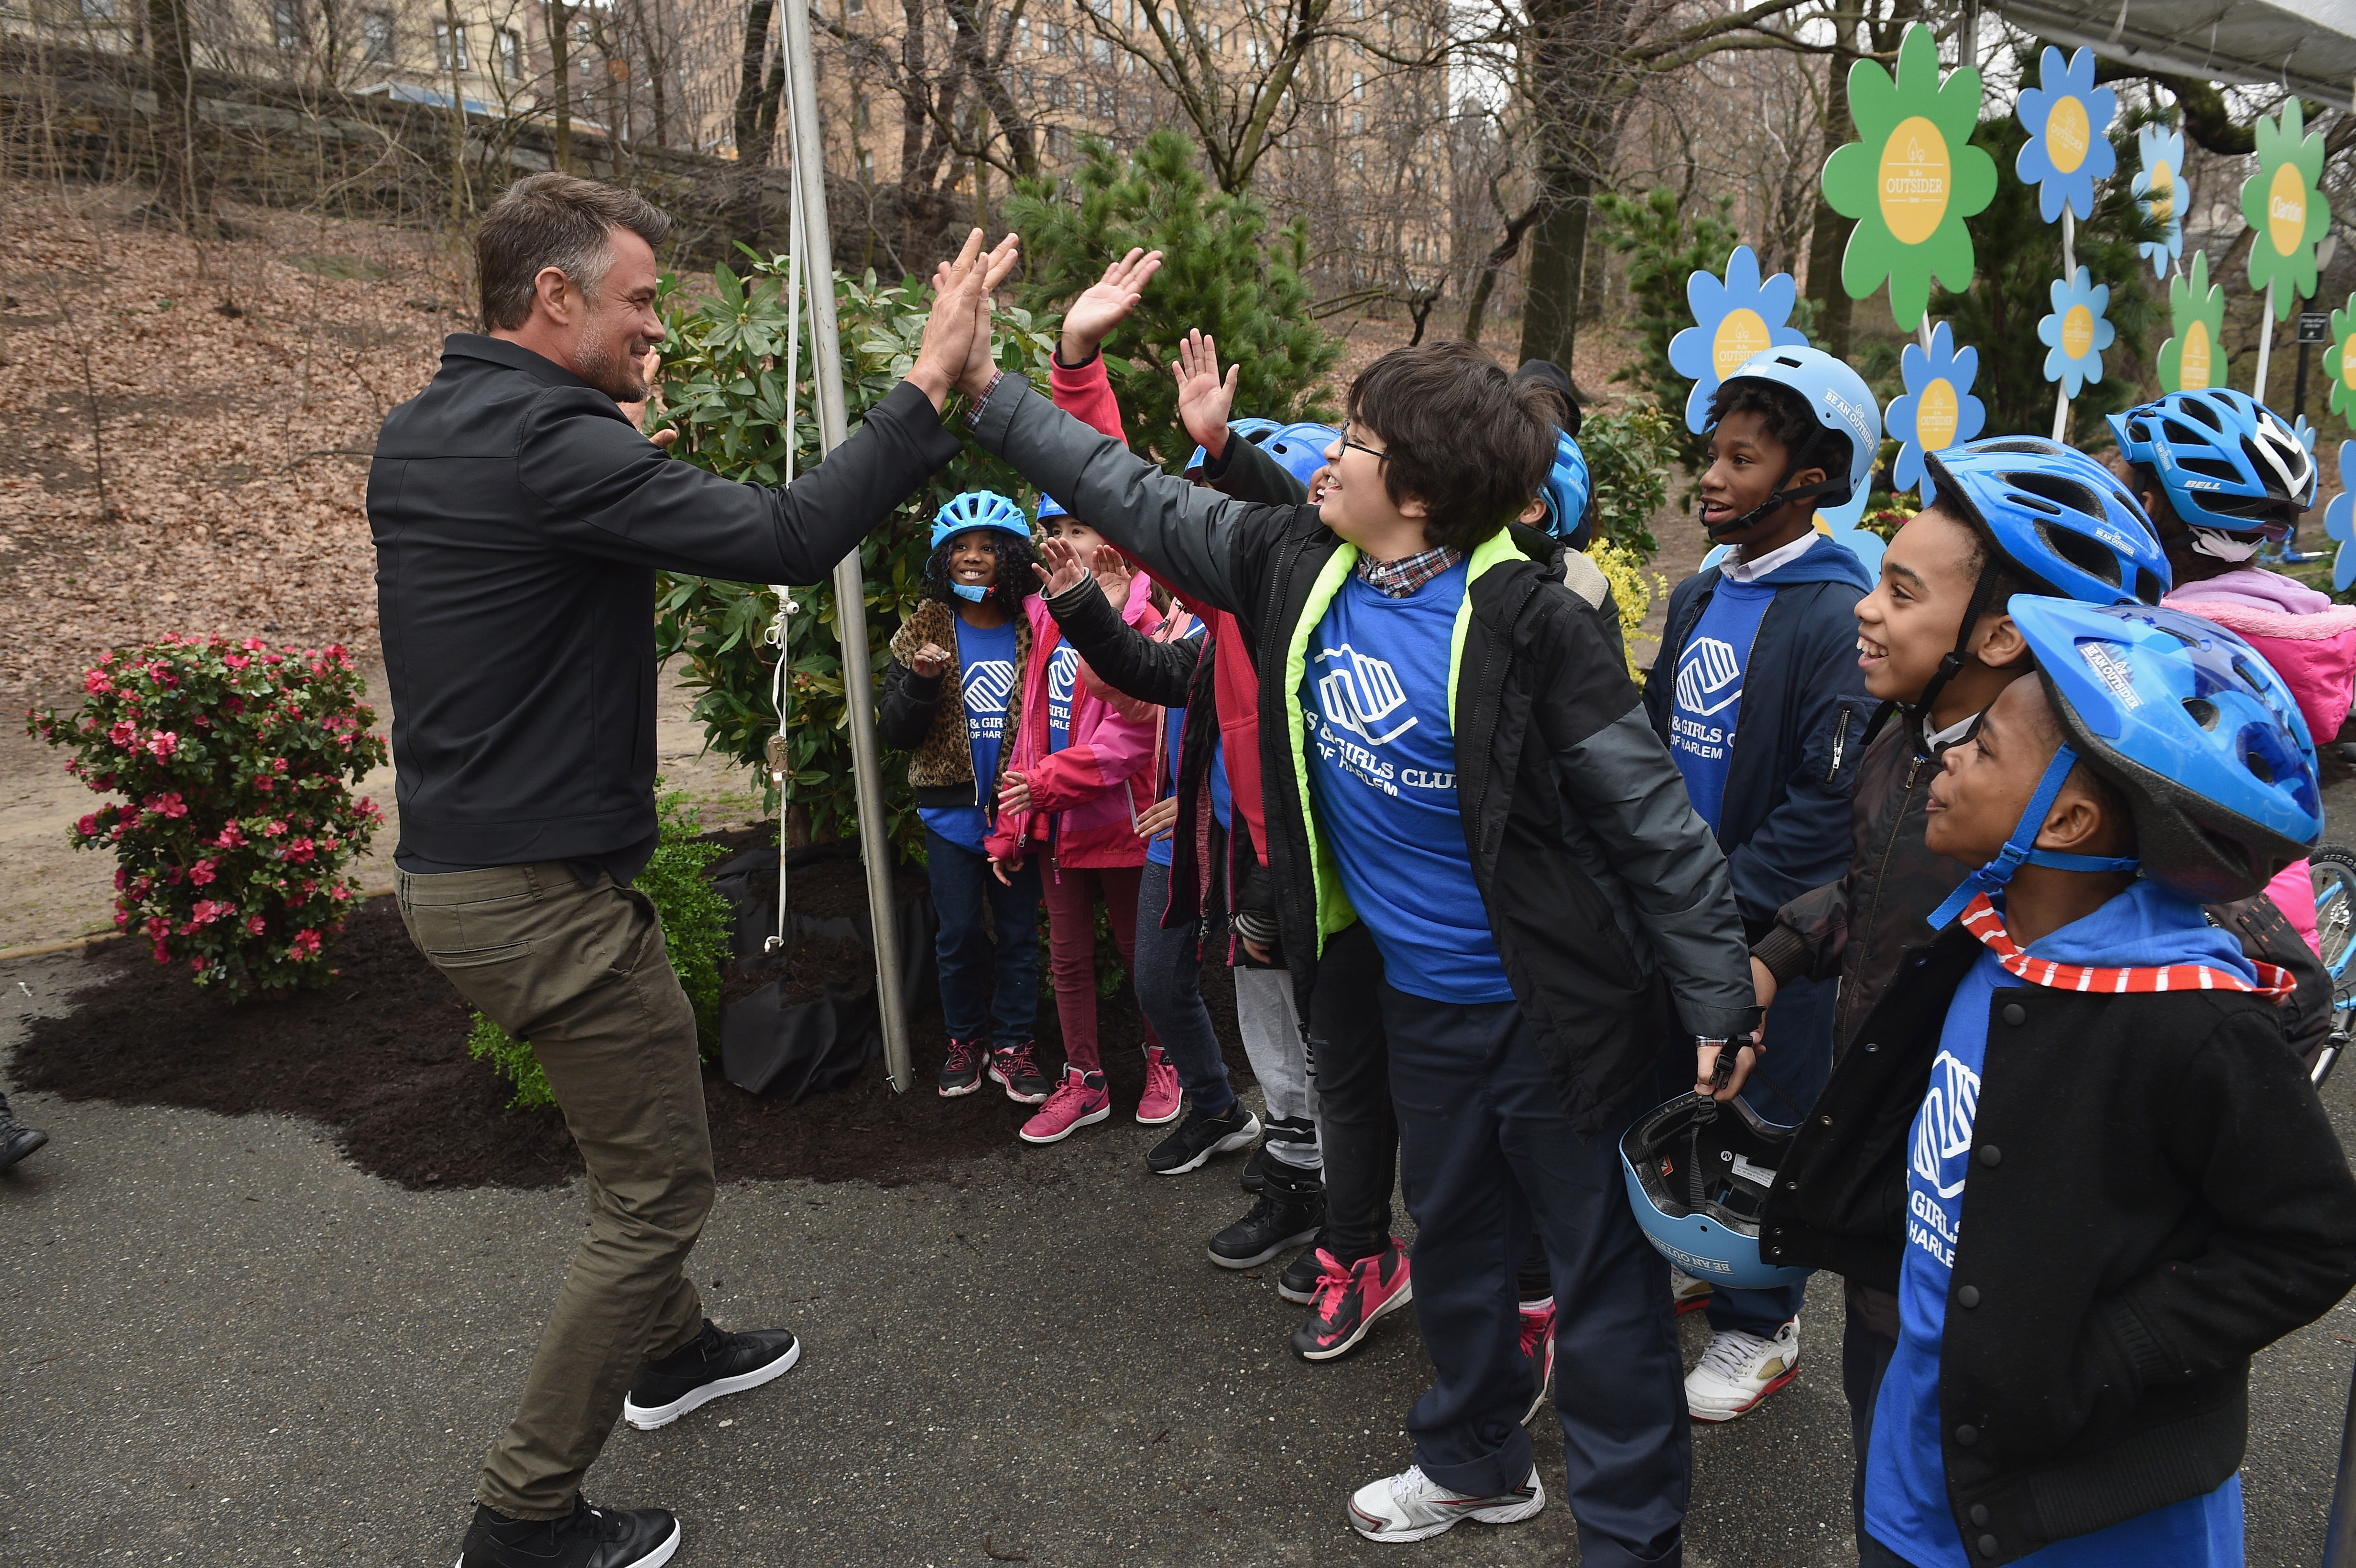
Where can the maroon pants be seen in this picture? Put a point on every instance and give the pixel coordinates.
(1071, 894)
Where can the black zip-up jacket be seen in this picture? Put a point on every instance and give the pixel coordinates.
(2156, 1195)
(1608, 899)
(519, 519)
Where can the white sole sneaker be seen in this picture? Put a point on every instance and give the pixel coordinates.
(655, 1559)
(645, 1417)
(1090, 1120)
(1481, 1510)
(1228, 1145)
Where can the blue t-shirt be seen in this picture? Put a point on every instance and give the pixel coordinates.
(1382, 777)
(1063, 677)
(986, 671)
(1709, 695)
(1905, 1474)
(1158, 849)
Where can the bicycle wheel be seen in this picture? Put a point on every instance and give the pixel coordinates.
(2334, 872)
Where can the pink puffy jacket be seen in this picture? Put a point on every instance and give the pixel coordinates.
(2311, 643)
(1085, 798)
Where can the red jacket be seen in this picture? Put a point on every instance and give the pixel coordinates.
(1086, 393)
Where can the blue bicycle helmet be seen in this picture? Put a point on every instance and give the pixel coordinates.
(2225, 461)
(1569, 490)
(2197, 731)
(1842, 405)
(1254, 430)
(1301, 448)
(1698, 1172)
(978, 509)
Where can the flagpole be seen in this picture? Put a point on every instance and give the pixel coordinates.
(850, 583)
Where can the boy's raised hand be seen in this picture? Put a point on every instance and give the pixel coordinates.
(1065, 567)
(1204, 400)
(1105, 304)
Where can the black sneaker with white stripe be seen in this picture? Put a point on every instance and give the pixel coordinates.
(1199, 1136)
(585, 1538)
(708, 1366)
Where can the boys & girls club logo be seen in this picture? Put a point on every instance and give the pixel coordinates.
(1916, 175)
(1063, 674)
(1942, 1129)
(1708, 668)
(987, 687)
(1360, 694)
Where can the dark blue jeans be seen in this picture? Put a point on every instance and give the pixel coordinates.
(1170, 995)
(1485, 1150)
(984, 988)
(1781, 1088)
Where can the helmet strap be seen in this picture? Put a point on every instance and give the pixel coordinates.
(1780, 497)
(1950, 664)
(2020, 849)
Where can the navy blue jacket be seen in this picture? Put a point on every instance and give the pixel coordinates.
(1786, 822)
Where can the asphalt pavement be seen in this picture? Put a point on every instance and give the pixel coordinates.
(220, 1344)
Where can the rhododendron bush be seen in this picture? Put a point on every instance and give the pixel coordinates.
(234, 763)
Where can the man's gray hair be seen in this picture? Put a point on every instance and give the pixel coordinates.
(555, 220)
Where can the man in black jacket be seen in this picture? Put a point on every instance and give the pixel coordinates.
(519, 517)
(1539, 950)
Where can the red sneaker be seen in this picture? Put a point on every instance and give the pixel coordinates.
(1538, 1349)
(1345, 1301)
(1078, 1100)
(1161, 1102)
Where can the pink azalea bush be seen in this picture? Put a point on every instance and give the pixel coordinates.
(234, 763)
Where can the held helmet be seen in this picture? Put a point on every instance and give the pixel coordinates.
(1255, 431)
(2197, 731)
(1049, 507)
(2226, 462)
(1699, 1173)
(1301, 448)
(1568, 494)
(1842, 405)
(979, 509)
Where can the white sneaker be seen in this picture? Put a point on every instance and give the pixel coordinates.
(1739, 1370)
(1688, 1294)
(1411, 1506)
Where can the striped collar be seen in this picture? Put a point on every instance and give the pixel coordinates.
(1397, 579)
(1981, 919)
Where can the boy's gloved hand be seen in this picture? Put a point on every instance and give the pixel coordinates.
(1204, 400)
(1254, 917)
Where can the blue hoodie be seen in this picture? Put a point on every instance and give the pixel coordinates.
(1784, 819)
(1906, 1504)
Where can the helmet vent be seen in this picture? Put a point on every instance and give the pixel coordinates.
(2025, 445)
(2084, 553)
(2204, 712)
(2210, 468)
(2067, 493)
(2193, 408)
(2258, 766)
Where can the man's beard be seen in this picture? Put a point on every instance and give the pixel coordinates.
(617, 375)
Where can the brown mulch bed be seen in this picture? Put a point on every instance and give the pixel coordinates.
(379, 1057)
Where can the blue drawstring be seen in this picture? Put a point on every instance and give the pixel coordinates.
(2020, 849)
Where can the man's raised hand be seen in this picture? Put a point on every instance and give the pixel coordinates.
(980, 361)
(1204, 400)
(1105, 304)
(1065, 567)
(947, 344)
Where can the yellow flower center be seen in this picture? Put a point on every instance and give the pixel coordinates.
(1742, 336)
(1916, 177)
(2067, 134)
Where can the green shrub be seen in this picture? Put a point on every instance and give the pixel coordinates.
(1628, 457)
(695, 925)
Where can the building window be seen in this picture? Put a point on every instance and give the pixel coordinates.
(866, 165)
(286, 24)
(1101, 51)
(1357, 121)
(866, 113)
(1258, 53)
(1358, 84)
(510, 54)
(1059, 141)
(376, 38)
(1218, 39)
(449, 48)
(854, 7)
(1358, 160)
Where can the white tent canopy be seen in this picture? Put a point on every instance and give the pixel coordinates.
(2306, 45)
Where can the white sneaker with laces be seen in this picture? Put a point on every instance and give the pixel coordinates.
(1687, 1293)
(1739, 1370)
(1412, 1506)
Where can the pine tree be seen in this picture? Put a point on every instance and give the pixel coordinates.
(1225, 269)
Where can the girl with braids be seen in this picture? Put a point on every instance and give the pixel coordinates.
(953, 698)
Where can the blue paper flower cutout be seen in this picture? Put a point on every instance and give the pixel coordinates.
(2305, 433)
(2076, 333)
(1937, 409)
(2339, 520)
(2162, 194)
(1733, 320)
(2068, 119)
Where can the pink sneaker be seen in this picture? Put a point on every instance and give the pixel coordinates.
(1160, 1101)
(1078, 1100)
(1538, 1349)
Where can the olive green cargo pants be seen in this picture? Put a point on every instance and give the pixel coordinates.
(580, 973)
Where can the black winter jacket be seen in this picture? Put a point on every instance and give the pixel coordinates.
(519, 519)
(2156, 1195)
(1608, 900)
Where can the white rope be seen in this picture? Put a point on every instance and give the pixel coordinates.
(779, 636)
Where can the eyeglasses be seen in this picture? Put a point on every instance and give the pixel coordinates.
(1370, 451)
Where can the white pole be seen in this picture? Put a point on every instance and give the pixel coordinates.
(781, 630)
(2069, 275)
(2265, 342)
(849, 584)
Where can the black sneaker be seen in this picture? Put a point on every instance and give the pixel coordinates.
(1254, 1175)
(1199, 1137)
(1289, 1212)
(961, 1074)
(16, 1139)
(586, 1538)
(711, 1364)
(1298, 1283)
(1016, 1068)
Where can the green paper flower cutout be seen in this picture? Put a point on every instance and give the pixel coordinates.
(2282, 203)
(2339, 361)
(1910, 178)
(2194, 359)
